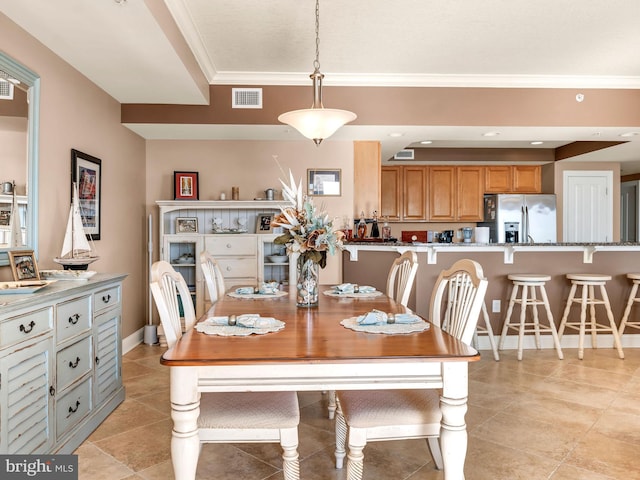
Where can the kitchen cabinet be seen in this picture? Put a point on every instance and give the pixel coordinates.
(442, 193)
(414, 203)
(392, 196)
(513, 179)
(404, 194)
(366, 177)
(470, 193)
(60, 364)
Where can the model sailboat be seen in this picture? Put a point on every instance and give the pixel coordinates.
(76, 253)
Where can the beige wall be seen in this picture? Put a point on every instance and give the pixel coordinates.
(250, 165)
(75, 113)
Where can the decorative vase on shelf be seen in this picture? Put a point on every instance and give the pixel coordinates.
(307, 274)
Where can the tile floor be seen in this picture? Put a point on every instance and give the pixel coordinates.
(541, 418)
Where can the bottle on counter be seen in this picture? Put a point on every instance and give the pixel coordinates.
(375, 232)
(386, 229)
(362, 226)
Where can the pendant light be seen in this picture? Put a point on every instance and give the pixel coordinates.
(317, 122)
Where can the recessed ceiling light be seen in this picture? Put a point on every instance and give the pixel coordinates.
(491, 134)
(426, 142)
(629, 134)
(537, 142)
(396, 134)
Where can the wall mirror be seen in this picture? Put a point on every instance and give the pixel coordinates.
(19, 113)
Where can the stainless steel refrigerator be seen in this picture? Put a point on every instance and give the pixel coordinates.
(516, 218)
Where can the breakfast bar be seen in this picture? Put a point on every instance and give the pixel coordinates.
(363, 262)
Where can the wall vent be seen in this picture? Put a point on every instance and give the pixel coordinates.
(246, 98)
(404, 155)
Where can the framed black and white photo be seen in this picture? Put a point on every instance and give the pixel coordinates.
(23, 265)
(86, 173)
(187, 225)
(324, 182)
(264, 223)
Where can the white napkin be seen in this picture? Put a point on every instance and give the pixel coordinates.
(268, 288)
(247, 320)
(351, 288)
(377, 317)
(245, 290)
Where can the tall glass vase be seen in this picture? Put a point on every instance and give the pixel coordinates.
(307, 282)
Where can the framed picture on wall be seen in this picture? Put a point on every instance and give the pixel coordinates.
(185, 185)
(23, 265)
(324, 182)
(86, 173)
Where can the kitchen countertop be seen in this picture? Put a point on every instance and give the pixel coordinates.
(509, 249)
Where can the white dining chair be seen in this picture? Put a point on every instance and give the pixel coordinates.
(363, 416)
(399, 284)
(243, 417)
(401, 277)
(212, 276)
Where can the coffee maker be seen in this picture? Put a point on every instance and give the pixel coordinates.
(511, 232)
(446, 236)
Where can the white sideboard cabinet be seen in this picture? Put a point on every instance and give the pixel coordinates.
(243, 254)
(60, 364)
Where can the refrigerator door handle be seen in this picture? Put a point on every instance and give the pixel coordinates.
(523, 237)
(529, 239)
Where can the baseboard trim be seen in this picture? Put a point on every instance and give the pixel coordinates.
(568, 341)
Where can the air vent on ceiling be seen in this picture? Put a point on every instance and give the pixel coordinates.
(404, 155)
(6, 86)
(246, 98)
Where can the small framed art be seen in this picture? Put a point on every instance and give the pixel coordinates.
(185, 185)
(324, 182)
(187, 225)
(264, 223)
(23, 265)
(87, 175)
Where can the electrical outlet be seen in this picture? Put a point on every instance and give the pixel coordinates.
(495, 306)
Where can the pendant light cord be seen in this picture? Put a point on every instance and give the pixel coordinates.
(316, 63)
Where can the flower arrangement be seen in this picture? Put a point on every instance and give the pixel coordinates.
(308, 231)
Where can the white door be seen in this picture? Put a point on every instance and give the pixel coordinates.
(629, 224)
(587, 206)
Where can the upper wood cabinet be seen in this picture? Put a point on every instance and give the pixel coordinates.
(392, 196)
(404, 193)
(414, 204)
(366, 177)
(470, 183)
(513, 179)
(442, 193)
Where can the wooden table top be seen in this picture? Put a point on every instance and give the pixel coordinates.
(313, 335)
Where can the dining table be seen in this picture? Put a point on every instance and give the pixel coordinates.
(315, 352)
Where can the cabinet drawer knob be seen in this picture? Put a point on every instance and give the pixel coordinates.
(74, 364)
(97, 360)
(228, 245)
(74, 409)
(28, 328)
(73, 319)
(228, 269)
(52, 390)
(106, 298)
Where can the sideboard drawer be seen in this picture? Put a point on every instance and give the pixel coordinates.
(238, 267)
(72, 407)
(24, 327)
(106, 298)
(219, 245)
(73, 362)
(73, 318)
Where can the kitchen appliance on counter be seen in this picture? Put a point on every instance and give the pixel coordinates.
(516, 218)
(446, 236)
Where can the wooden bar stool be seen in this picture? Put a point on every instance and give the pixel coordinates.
(528, 283)
(635, 278)
(588, 282)
(488, 331)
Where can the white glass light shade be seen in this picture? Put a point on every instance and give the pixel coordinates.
(317, 123)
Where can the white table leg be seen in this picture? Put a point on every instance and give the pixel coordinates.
(185, 409)
(453, 431)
